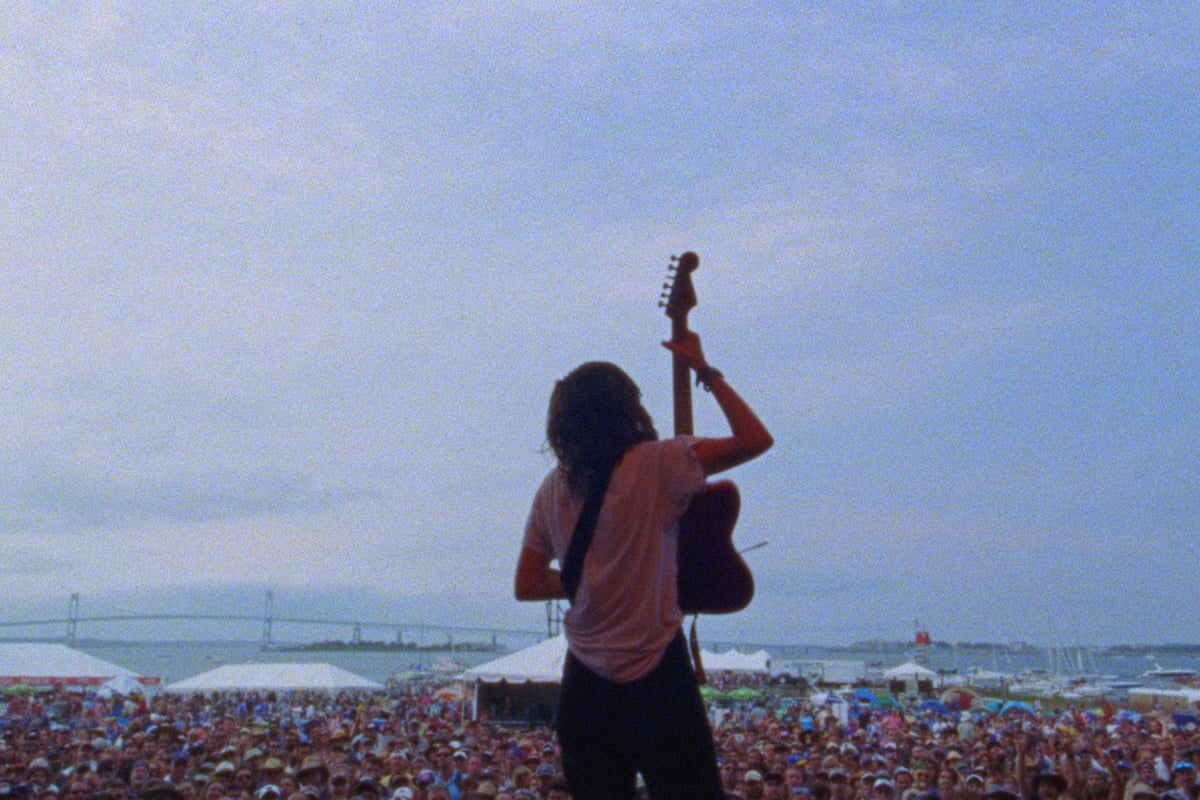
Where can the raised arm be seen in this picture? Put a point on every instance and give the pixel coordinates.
(748, 438)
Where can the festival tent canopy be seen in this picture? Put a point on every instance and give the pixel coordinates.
(124, 685)
(910, 671)
(279, 677)
(960, 698)
(541, 663)
(38, 664)
(744, 693)
(734, 661)
(823, 698)
(1017, 705)
(936, 706)
(521, 686)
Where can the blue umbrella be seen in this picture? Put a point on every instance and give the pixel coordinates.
(864, 695)
(1017, 705)
(935, 706)
(1182, 719)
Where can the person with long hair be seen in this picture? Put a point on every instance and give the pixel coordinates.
(630, 701)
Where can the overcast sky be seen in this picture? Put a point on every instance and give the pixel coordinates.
(287, 284)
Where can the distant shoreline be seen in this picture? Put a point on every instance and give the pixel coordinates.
(389, 647)
(883, 646)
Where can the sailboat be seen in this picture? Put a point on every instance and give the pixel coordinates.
(1166, 673)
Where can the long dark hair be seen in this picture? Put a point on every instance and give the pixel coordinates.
(596, 414)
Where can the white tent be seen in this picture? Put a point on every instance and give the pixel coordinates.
(521, 686)
(37, 664)
(909, 671)
(541, 663)
(825, 698)
(734, 661)
(124, 685)
(281, 677)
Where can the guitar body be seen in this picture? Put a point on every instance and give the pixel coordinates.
(713, 578)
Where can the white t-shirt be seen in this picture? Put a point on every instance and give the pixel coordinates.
(626, 610)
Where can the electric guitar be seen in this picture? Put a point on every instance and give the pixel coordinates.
(713, 578)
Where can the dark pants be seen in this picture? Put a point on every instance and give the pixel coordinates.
(656, 725)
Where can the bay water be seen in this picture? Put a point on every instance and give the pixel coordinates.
(177, 660)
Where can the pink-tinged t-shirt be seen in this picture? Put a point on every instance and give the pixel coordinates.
(626, 610)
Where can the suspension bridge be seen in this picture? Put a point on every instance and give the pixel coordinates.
(269, 623)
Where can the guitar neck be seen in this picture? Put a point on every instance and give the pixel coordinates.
(679, 298)
(681, 383)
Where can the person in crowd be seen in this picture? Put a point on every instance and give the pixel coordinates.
(1183, 778)
(215, 789)
(883, 789)
(339, 785)
(314, 775)
(557, 790)
(773, 788)
(729, 772)
(446, 771)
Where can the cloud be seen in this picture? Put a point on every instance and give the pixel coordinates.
(44, 493)
(286, 287)
(26, 563)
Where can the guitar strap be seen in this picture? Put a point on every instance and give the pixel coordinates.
(697, 663)
(581, 539)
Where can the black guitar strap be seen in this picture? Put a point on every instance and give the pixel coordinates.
(581, 539)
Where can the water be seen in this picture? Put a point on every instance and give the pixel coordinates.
(1123, 663)
(175, 661)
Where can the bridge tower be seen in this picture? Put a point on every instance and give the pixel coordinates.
(72, 617)
(554, 615)
(357, 633)
(268, 639)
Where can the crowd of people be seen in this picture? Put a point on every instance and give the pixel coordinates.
(413, 744)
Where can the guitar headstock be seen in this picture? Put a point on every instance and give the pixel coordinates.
(678, 295)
